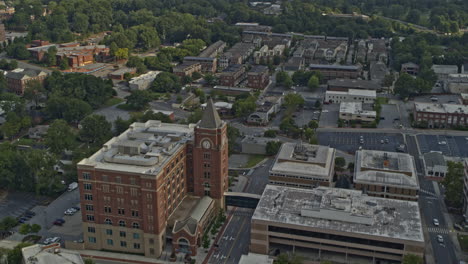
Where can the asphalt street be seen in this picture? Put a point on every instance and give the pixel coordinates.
(235, 240)
(432, 207)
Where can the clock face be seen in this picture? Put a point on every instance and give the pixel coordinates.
(206, 144)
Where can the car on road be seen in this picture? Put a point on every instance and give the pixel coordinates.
(29, 213)
(22, 219)
(77, 208)
(440, 239)
(72, 186)
(51, 240)
(325, 111)
(59, 222)
(382, 141)
(435, 221)
(70, 211)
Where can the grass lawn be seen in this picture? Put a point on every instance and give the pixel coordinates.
(113, 101)
(253, 160)
(463, 240)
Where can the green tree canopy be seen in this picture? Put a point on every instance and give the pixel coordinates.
(95, 129)
(59, 137)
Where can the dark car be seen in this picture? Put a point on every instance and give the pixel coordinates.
(22, 220)
(60, 220)
(58, 223)
(30, 213)
(76, 208)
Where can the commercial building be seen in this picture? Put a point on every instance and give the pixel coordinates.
(344, 85)
(266, 55)
(258, 77)
(75, 54)
(440, 115)
(443, 71)
(337, 71)
(386, 174)
(143, 81)
(18, 79)
(232, 75)
(252, 258)
(148, 186)
(50, 254)
(255, 145)
(435, 166)
(187, 69)
(345, 226)
(457, 83)
(355, 111)
(303, 165)
(208, 64)
(267, 107)
(352, 95)
(410, 68)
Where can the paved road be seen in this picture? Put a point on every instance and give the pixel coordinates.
(432, 207)
(235, 240)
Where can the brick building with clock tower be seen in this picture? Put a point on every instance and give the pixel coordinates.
(156, 183)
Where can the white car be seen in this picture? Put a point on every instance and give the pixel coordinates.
(70, 211)
(435, 221)
(325, 111)
(51, 240)
(440, 239)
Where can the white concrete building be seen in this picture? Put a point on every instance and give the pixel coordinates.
(50, 254)
(352, 95)
(354, 111)
(143, 81)
(435, 166)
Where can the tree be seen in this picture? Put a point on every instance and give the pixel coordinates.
(8, 223)
(270, 133)
(121, 125)
(64, 64)
(95, 129)
(412, 259)
(166, 82)
(340, 162)
(138, 99)
(293, 100)
(24, 229)
(51, 56)
(59, 137)
(89, 261)
(232, 133)
(313, 124)
(404, 86)
(121, 53)
(34, 91)
(272, 147)
(195, 116)
(453, 183)
(388, 80)
(15, 255)
(244, 107)
(3, 83)
(35, 228)
(283, 78)
(210, 79)
(313, 83)
(196, 75)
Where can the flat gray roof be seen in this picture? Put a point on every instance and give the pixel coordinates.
(434, 158)
(385, 168)
(304, 160)
(342, 210)
(356, 84)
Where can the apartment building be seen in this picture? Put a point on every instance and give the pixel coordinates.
(386, 174)
(237, 54)
(303, 165)
(435, 115)
(155, 182)
(337, 71)
(187, 69)
(18, 79)
(143, 81)
(337, 225)
(232, 75)
(344, 85)
(258, 77)
(208, 64)
(410, 68)
(214, 50)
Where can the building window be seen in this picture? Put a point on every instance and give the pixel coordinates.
(109, 232)
(108, 221)
(152, 251)
(136, 236)
(121, 211)
(135, 225)
(105, 178)
(207, 185)
(107, 209)
(92, 239)
(123, 234)
(87, 186)
(110, 242)
(119, 190)
(90, 217)
(91, 229)
(132, 181)
(206, 174)
(123, 243)
(206, 156)
(105, 188)
(122, 223)
(151, 241)
(149, 196)
(88, 197)
(86, 175)
(136, 245)
(206, 165)
(134, 213)
(133, 191)
(89, 207)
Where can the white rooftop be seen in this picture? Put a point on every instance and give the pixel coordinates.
(50, 254)
(342, 210)
(441, 108)
(356, 92)
(304, 160)
(445, 69)
(143, 148)
(253, 258)
(355, 108)
(385, 168)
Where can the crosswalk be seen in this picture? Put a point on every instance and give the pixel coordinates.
(438, 230)
(427, 192)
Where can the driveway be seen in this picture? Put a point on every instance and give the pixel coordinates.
(330, 115)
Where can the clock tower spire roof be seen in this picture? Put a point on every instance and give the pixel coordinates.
(210, 118)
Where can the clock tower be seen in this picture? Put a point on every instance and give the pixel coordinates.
(210, 156)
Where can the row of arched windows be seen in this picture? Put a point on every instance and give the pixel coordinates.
(122, 223)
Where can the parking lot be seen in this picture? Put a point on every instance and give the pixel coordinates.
(455, 146)
(329, 116)
(16, 203)
(303, 117)
(350, 141)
